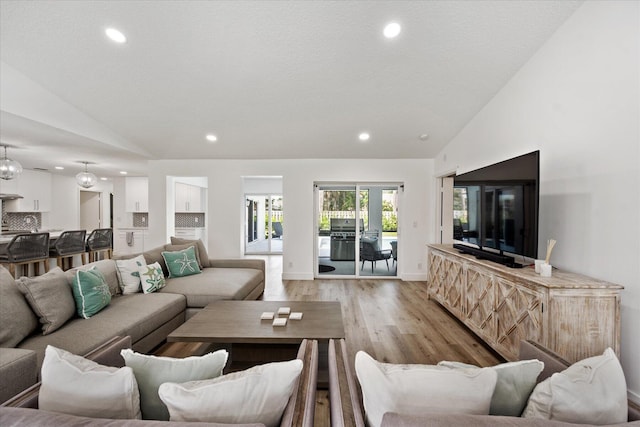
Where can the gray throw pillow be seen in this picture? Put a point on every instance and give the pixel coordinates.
(16, 317)
(202, 251)
(516, 381)
(50, 297)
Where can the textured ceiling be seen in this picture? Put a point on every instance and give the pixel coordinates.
(272, 79)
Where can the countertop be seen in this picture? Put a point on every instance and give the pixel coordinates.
(6, 236)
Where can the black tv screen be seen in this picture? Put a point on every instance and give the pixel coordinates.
(496, 207)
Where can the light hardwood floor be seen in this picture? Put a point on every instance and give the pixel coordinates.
(392, 320)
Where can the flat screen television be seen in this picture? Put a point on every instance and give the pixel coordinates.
(496, 210)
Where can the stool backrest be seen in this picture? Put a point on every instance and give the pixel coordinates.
(100, 238)
(70, 242)
(28, 246)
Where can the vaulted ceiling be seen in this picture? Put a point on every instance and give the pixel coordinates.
(270, 79)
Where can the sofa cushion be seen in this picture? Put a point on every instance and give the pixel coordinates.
(108, 269)
(136, 315)
(179, 247)
(151, 371)
(151, 278)
(91, 292)
(182, 263)
(591, 391)
(516, 381)
(392, 419)
(50, 297)
(18, 370)
(74, 385)
(421, 389)
(16, 317)
(259, 395)
(36, 417)
(128, 274)
(202, 251)
(215, 284)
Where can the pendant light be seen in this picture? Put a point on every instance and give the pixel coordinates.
(9, 169)
(86, 179)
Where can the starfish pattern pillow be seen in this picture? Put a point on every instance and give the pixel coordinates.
(152, 278)
(181, 263)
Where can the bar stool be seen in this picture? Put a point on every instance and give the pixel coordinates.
(69, 243)
(26, 249)
(100, 240)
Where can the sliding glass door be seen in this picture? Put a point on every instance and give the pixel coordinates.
(357, 232)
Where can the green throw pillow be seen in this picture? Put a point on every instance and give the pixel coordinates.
(91, 292)
(181, 263)
(152, 278)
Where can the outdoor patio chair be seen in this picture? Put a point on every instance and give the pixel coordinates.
(370, 251)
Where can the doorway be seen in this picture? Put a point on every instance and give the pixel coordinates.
(357, 230)
(264, 224)
(90, 210)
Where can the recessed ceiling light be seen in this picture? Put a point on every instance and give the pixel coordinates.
(364, 136)
(104, 178)
(115, 35)
(424, 137)
(392, 29)
(123, 172)
(211, 137)
(59, 168)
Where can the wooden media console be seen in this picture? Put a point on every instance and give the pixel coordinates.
(570, 314)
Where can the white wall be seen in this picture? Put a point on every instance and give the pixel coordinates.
(65, 204)
(226, 204)
(577, 101)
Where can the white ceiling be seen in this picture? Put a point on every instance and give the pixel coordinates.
(272, 79)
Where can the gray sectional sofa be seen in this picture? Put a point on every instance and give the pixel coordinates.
(22, 410)
(146, 318)
(345, 397)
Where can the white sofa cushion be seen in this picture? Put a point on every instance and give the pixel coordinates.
(74, 385)
(257, 395)
(422, 389)
(516, 381)
(152, 371)
(591, 391)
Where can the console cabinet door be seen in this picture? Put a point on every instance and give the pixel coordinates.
(446, 282)
(519, 316)
(480, 303)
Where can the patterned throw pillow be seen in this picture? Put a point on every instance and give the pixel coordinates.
(181, 263)
(152, 278)
(91, 292)
(128, 274)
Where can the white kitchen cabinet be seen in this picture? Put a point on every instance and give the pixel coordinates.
(129, 241)
(35, 189)
(191, 233)
(136, 191)
(188, 198)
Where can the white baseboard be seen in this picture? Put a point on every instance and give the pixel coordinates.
(297, 276)
(415, 277)
(633, 396)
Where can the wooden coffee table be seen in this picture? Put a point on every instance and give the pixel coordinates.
(236, 326)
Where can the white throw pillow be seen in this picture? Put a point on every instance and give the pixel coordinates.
(257, 395)
(516, 381)
(128, 274)
(152, 278)
(422, 389)
(591, 391)
(74, 385)
(151, 371)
